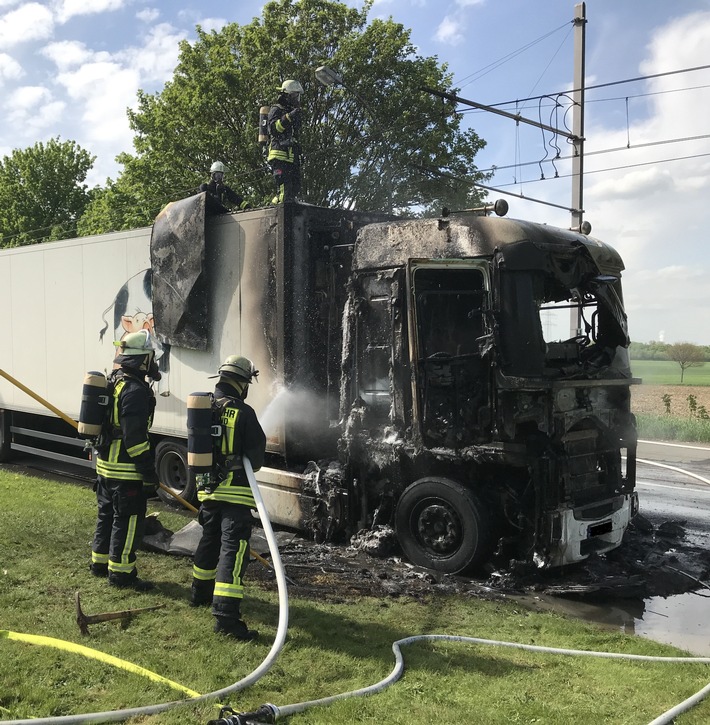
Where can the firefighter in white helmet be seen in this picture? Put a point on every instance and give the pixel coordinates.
(284, 158)
(125, 464)
(218, 193)
(226, 502)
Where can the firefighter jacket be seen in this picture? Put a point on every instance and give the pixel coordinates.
(283, 125)
(242, 434)
(125, 452)
(220, 192)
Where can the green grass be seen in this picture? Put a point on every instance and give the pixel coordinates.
(331, 648)
(671, 428)
(666, 372)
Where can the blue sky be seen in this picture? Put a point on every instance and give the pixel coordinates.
(70, 68)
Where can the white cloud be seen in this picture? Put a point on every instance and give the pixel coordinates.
(469, 3)
(32, 109)
(10, 69)
(148, 15)
(67, 53)
(69, 8)
(210, 24)
(156, 59)
(449, 31)
(31, 21)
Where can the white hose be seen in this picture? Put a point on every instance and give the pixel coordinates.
(287, 710)
(260, 671)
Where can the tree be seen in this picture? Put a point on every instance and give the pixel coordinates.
(686, 355)
(376, 142)
(42, 194)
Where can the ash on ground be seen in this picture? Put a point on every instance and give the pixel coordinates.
(652, 561)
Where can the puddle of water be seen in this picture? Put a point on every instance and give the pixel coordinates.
(681, 620)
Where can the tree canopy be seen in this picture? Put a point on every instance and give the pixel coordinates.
(42, 194)
(376, 141)
(686, 355)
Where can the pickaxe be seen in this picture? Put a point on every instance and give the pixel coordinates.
(84, 620)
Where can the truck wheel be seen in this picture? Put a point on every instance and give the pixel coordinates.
(442, 525)
(5, 435)
(171, 465)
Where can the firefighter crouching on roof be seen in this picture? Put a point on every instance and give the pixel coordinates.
(125, 464)
(226, 500)
(284, 158)
(218, 192)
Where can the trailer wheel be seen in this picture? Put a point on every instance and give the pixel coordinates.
(171, 465)
(442, 525)
(5, 435)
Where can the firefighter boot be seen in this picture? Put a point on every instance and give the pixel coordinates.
(130, 581)
(98, 569)
(201, 593)
(235, 628)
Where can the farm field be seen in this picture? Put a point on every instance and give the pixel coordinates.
(666, 372)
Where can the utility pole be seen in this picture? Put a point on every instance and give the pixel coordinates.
(580, 25)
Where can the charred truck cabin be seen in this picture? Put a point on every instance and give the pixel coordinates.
(472, 420)
(414, 373)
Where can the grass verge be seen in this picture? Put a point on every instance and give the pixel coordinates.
(671, 428)
(331, 648)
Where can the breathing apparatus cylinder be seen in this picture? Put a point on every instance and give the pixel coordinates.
(264, 125)
(199, 433)
(94, 404)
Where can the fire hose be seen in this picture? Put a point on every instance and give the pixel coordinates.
(269, 713)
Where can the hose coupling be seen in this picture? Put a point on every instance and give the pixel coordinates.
(227, 716)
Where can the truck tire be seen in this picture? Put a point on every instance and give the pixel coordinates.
(5, 435)
(442, 525)
(171, 466)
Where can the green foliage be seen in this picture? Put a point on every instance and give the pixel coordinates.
(672, 428)
(377, 142)
(331, 648)
(42, 194)
(667, 399)
(686, 355)
(655, 350)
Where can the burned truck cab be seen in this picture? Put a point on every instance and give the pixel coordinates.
(486, 390)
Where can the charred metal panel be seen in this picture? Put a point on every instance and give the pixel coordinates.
(471, 235)
(177, 254)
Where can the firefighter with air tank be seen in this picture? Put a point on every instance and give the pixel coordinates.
(283, 124)
(222, 428)
(125, 463)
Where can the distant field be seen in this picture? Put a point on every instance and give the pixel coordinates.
(663, 372)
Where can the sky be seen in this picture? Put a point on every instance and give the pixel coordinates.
(70, 68)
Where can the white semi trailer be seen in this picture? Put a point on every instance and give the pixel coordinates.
(412, 372)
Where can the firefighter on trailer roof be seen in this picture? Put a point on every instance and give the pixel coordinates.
(284, 157)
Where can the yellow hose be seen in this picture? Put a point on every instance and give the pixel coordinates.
(96, 655)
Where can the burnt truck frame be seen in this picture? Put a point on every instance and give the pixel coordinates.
(413, 373)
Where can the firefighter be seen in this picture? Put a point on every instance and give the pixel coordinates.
(125, 464)
(226, 502)
(284, 158)
(218, 192)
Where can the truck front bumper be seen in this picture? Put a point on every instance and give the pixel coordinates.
(574, 534)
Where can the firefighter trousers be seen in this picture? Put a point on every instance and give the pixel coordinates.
(119, 526)
(222, 556)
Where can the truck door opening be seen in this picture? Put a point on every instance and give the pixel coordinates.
(452, 378)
